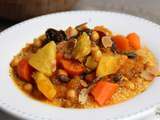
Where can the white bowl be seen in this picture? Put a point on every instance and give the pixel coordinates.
(14, 38)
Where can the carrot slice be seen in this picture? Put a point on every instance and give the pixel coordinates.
(59, 57)
(134, 41)
(24, 70)
(72, 67)
(103, 91)
(121, 42)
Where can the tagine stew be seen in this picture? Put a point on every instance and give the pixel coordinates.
(84, 68)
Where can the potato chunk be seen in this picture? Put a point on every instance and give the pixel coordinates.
(44, 85)
(45, 58)
(108, 64)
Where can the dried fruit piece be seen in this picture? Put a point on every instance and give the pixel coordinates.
(90, 77)
(54, 35)
(131, 55)
(116, 78)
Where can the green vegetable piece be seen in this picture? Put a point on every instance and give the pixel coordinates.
(83, 47)
(91, 63)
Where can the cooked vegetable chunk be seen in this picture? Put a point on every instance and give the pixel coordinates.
(121, 42)
(91, 63)
(83, 67)
(103, 91)
(73, 68)
(24, 70)
(108, 64)
(83, 47)
(134, 41)
(44, 60)
(44, 85)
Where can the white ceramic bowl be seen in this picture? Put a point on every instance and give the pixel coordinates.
(14, 38)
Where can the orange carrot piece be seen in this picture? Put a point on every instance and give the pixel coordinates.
(59, 57)
(103, 91)
(24, 70)
(121, 42)
(90, 77)
(134, 41)
(72, 67)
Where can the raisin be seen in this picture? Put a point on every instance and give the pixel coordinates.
(113, 48)
(131, 55)
(51, 34)
(63, 78)
(117, 78)
(55, 35)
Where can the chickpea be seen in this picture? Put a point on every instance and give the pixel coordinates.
(71, 94)
(62, 72)
(97, 54)
(28, 87)
(95, 36)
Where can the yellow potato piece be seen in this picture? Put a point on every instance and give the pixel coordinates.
(108, 64)
(44, 85)
(44, 58)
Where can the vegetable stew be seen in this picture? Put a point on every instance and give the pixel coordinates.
(83, 67)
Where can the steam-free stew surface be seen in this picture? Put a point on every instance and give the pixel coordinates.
(83, 67)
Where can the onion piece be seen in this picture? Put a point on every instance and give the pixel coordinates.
(83, 96)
